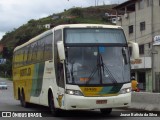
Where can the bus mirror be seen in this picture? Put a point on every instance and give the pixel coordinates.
(135, 49)
(61, 52)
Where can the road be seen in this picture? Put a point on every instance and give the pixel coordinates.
(8, 103)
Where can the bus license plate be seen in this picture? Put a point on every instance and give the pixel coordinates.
(101, 101)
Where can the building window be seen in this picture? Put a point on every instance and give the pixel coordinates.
(141, 49)
(130, 29)
(141, 4)
(149, 45)
(159, 2)
(142, 26)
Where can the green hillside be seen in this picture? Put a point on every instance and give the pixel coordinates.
(34, 27)
(71, 16)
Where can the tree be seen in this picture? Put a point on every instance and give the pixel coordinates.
(5, 52)
(6, 69)
(77, 12)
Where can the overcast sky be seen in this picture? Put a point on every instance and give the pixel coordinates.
(14, 13)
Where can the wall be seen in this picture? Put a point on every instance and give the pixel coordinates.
(145, 101)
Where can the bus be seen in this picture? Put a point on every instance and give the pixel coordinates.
(75, 67)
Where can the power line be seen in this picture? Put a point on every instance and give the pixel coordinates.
(139, 25)
(145, 36)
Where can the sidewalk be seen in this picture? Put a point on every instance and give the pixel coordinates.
(145, 101)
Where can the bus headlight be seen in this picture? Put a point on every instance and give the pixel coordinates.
(74, 92)
(125, 90)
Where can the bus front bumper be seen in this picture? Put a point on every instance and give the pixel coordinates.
(73, 102)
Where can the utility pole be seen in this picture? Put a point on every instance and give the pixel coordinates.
(96, 2)
(152, 55)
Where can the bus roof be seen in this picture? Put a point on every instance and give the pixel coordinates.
(34, 39)
(87, 26)
(67, 26)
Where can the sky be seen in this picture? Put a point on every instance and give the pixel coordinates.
(14, 13)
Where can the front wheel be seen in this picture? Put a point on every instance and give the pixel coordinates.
(106, 111)
(55, 112)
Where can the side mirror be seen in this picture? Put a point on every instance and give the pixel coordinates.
(135, 49)
(61, 52)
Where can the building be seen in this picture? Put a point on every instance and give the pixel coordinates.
(111, 17)
(47, 26)
(141, 23)
(55, 16)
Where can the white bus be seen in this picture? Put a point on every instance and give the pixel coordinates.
(74, 67)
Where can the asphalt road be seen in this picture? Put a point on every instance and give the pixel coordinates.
(9, 104)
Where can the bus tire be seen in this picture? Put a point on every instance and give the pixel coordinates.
(106, 111)
(54, 111)
(22, 100)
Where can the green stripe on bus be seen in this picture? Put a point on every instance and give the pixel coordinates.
(37, 79)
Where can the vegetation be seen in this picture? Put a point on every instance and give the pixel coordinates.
(31, 29)
(6, 69)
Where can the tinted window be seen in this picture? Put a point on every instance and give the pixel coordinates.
(87, 35)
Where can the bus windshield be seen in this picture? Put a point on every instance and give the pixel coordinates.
(94, 35)
(97, 65)
(91, 61)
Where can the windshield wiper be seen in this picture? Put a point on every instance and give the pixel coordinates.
(101, 67)
(105, 68)
(94, 71)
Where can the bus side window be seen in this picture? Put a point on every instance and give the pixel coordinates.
(21, 56)
(60, 75)
(48, 47)
(18, 59)
(29, 54)
(58, 66)
(40, 51)
(34, 52)
(25, 55)
(23, 62)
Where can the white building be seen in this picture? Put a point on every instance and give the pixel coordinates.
(112, 18)
(141, 23)
(47, 26)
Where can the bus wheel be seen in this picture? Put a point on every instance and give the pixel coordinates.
(22, 100)
(106, 111)
(54, 111)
